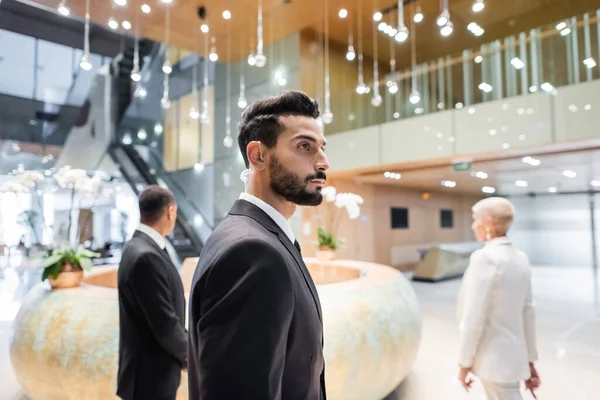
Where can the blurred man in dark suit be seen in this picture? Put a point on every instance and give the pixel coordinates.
(153, 338)
(256, 328)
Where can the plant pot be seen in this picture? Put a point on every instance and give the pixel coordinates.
(325, 254)
(66, 280)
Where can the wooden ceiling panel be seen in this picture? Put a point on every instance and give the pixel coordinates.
(500, 18)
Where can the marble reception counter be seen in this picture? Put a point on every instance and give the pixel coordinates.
(64, 343)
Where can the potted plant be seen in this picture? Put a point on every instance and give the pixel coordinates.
(64, 266)
(335, 205)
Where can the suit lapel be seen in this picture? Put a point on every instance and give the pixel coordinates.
(242, 207)
(305, 273)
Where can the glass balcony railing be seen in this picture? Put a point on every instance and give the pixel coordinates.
(542, 59)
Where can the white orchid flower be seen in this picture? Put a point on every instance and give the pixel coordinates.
(329, 192)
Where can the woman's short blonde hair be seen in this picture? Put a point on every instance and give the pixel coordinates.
(499, 209)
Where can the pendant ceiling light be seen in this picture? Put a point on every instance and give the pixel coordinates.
(327, 116)
(260, 58)
(402, 30)
(415, 96)
(85, 62)
(228, 140)
(251, 56)
(63, 9)
(351, 53)
(136, 76)
(213, 56)
(376, 100)
(443, 21)
(391, 83)
(167, 69)
(418, 17)
(204, 115)
(361, 88)
(478, 6)
(242, 102)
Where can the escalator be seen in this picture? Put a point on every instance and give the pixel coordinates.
(185, 238)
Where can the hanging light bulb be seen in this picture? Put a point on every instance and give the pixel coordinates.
(194, 114)
(402, 34)
(418, 17)
(478, 6)
(166, 68)
(242, 102)
(204, 117)
(135, 75)
(121, 3)
(260, 58)
(85, 63)
(447, 29)
(443, 18)
(204, 28)
(165, 103)
(63, 9)
(280, 77)
(213, 56)
(228, 141)
(112, 23)
(392, 86)
(361, 88)
(251, 60)
(414, 97)
(350, 54)
(327, 116)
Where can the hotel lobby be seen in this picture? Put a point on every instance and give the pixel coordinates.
(427, 107)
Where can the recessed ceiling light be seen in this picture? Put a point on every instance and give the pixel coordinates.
(569, 174)
(560, 26)
(377, 16)
(471, 110)
(589, 62)
(386, 174)
(459, 105)
(146, 9)
(226, 14)
(121, 3)
(343, 13)
(126, 25)
(517, 63)
(488, 189)
(506, 146)
(478, 59)
(448, 184)
(520, 183)
(493, 132)
(204, 28)
(552, 189)
(565, 32)
(572, 108)
(595, 183)
(587, 107)
(481, 175)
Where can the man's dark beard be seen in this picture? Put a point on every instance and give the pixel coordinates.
(289, 186)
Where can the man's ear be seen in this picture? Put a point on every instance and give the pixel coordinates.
(256, 157)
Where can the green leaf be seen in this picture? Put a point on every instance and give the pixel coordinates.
(81, 252)
(86, 264)
(52, 260)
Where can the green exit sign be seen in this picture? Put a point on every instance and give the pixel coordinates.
(462, 166)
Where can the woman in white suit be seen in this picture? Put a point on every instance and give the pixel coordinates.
(495, 310)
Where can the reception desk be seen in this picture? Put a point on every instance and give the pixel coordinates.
(64, 343)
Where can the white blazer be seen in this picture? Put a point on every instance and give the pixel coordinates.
(496, 314)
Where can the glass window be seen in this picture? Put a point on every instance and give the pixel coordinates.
(16, 64)
(54, 72)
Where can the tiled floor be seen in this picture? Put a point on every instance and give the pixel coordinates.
(568, 335)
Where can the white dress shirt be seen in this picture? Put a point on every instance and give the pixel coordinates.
(271, 212)
(496, 314)
(154, 235)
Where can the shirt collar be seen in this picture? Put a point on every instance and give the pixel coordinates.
(154, 235)
(271, 212)
(498, 241)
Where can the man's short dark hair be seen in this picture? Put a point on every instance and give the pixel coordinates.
(261, 122)
(153, 202)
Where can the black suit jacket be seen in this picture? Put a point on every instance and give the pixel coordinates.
(153, 338)
(255, 319)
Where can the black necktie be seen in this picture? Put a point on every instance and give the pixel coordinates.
(297, 245)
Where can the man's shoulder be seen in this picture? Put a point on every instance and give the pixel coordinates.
(240, 228)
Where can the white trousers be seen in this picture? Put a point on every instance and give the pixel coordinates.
(502, 391)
